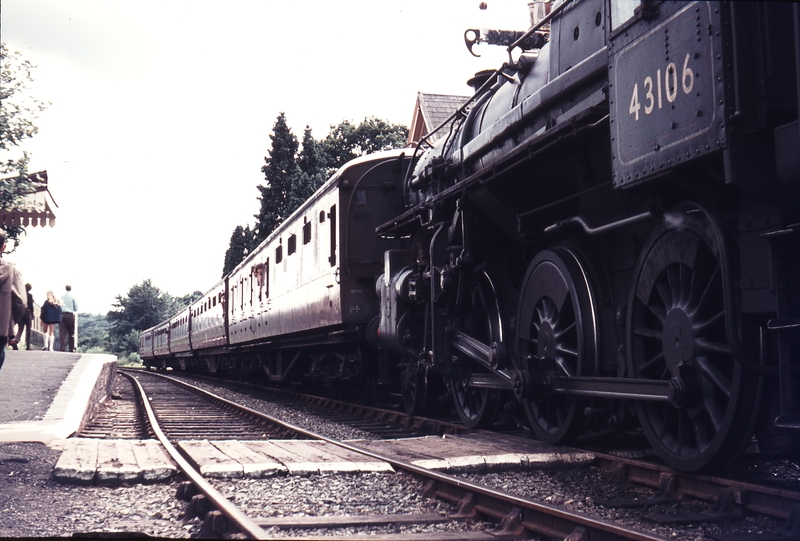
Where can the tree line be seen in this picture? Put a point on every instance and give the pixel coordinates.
(142, 307)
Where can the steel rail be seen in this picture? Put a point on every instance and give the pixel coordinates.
(771, 501)
(528, 514)
(244, 523)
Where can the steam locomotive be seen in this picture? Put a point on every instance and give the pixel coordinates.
(604, 237)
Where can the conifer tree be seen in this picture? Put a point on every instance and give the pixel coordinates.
(279, 170)
(311, 162)
(240, 245)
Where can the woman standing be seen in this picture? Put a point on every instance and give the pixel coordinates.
(51, 316)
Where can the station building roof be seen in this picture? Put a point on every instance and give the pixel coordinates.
(430, 111)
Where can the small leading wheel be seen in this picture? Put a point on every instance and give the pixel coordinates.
(414, 386)
(475, 407)
(557, 338)
(678, 331)
(477, 315)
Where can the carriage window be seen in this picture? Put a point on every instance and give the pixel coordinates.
(306, 232)
(292, 248)
(278, 254)
(621, 11)
(322, 216)
(332, 258)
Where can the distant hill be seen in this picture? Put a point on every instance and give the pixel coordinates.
(92, 332)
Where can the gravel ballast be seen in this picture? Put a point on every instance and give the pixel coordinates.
(33, 505)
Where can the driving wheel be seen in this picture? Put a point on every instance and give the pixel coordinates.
(678, 331)
(477, 315)
(557, 338)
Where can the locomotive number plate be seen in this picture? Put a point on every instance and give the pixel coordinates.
(665, 94)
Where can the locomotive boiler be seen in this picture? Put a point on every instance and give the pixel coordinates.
(608, 235)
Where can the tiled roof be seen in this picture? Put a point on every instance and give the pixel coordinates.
(430, 111)
(437, 107)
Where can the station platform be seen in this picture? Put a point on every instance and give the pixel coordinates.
(46, 396)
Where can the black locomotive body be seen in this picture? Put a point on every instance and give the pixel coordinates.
(610, 229)
(606, 235)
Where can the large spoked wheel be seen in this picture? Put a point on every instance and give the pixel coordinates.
(678, 331)
(479, 317)
(557, 338)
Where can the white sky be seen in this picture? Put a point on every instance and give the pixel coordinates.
(161, 112)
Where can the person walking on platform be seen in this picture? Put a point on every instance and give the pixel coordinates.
(11, 284)
(25, 322)
(51, 316)
(68, 320)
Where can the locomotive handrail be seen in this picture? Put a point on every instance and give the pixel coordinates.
(599, 230)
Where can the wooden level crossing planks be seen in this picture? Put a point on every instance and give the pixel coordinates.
(116, 463)
(475, 453)
(89, 461)
(265, 458)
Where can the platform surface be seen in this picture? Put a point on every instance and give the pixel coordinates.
(45, 395)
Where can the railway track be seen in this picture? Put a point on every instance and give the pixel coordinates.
(121, 419)
(729, 495)
(519, 517)
(730, 499)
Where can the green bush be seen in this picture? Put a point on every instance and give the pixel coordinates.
(131, 360)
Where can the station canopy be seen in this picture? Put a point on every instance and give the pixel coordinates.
(37, 205)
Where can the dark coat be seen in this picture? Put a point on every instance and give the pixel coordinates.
(51, 313)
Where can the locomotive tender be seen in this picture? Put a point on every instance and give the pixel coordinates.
(605, 236)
